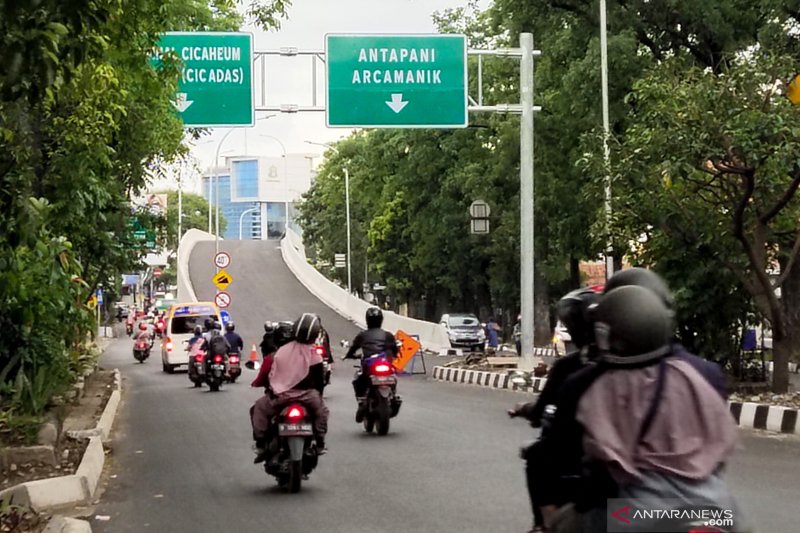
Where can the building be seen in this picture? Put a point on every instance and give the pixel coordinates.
(259, 192)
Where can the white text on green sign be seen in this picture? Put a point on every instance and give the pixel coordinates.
(215, 88)
(396, 80)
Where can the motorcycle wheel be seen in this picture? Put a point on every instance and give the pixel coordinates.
(369, 423)
(214, 386)
(295, 476)
(233, 380)
(383, 419)
(198, 384)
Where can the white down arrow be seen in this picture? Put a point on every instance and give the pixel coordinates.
(397, 104)
(181, 103)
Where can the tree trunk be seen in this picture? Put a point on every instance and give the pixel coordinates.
(781, 353)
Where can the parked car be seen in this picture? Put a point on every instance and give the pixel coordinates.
(464, 330)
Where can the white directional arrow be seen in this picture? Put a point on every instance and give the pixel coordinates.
(181, 103)
(397, 104)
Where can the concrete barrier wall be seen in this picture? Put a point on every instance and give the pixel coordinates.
(190, 238)
(433, 336)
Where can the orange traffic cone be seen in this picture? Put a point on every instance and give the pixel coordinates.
(251, 364)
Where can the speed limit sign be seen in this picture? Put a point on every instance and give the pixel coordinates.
(222, 260)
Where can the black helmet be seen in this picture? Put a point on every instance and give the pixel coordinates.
(573, 312)
(284, 333)
(632, 326)
(217, 326)
(208, 324)
(270, 327)
(307, 328)
(374, 317)
(198, 330)
(643, 278)
(230, 326)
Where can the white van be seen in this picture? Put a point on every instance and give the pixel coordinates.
(181, 321)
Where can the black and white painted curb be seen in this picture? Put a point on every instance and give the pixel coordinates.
(747, 414)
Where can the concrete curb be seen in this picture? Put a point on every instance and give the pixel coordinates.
(78, 488)
(103, 427)
(777, 419)
(62, 524)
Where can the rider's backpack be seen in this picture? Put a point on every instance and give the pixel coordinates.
(217, 345)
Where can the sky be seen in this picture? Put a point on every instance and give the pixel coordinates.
(289, 80)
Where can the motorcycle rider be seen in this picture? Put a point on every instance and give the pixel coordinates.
(564, 442)
(654, 427)
(234, 339)
(144, 335)
(296, 376)
(129, 321)
(371, 341)
(573, 312)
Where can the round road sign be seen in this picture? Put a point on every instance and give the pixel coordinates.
(222, 299)
(222, 260)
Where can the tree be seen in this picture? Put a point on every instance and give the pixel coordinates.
(195, 216)
(724, 144)
(85, 121)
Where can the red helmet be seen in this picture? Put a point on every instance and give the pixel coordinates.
(142, 326)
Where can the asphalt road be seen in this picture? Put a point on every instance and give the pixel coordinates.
(182, 458)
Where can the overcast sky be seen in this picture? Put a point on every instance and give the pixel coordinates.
(289, 79)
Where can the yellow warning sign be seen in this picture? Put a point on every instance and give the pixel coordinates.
(793, 91)
(222, 280)
(409, 348)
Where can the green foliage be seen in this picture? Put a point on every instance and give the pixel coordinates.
(195, 216)
(85, 122)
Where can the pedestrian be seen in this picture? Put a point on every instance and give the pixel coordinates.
(517, 334)
(492, 339)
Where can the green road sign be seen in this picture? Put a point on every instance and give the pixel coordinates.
(397, 81)
(216, 85)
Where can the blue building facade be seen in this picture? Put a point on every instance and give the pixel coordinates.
(256, 192)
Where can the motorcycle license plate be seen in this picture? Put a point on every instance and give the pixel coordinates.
(383, 380)
(295, 429)
(217, 367)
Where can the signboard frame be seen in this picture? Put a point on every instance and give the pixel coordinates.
(441, 36)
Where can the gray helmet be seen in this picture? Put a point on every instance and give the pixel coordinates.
(198, 330)
(217, 326)
(633, 326)
(307, 328)
(643, 278)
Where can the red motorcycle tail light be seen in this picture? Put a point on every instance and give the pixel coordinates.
(295, 413)
(217, 359)
(198, 358)
(233, 359)
(382, 369)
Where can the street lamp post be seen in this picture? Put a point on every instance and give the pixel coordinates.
(347, 211)
(241, 218)
(606, 133)
(285, 181)
(216, 193)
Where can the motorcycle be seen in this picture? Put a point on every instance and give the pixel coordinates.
(141, 350)
(215, 371)
(294, 450)
(234, 366)
(160, 328)
(383, 402)
(128, 328)
(327, 366)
